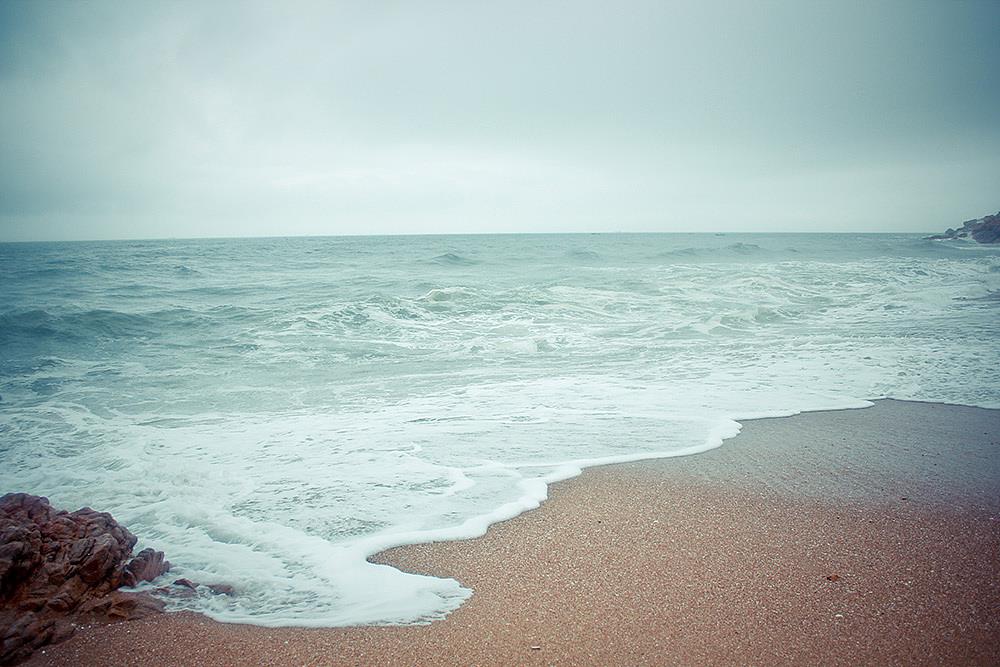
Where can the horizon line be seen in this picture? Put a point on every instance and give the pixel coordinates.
(444, 234)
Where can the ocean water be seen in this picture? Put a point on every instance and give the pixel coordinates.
(269, 412)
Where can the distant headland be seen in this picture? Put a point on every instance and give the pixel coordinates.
(981, 230)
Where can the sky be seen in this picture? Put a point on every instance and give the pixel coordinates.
(187, 119)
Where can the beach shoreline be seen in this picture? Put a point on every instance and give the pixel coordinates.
(867, 535)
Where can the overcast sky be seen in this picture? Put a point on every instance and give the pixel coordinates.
(138, 120)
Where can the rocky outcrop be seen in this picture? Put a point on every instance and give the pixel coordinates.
(59, 567)
(982, 230)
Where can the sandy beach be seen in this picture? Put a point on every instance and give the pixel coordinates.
(848, 537)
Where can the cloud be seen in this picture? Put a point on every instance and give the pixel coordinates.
(147, 120)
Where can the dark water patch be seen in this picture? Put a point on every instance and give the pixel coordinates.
(374, 311)
(679, 252)
(583, 255)
(46, 363)
(46, 386)
(640, 287)
(454, 259)
(991, 296)
(219, 291)
(744, 248)
(233, 312)
(764, 315)
(35, 323)
(32, 317)
(718, 252)
(107, 322)
(240, 348)
(184, 270)
(130, 290)
(38, 324)
(10, 366)
(67, 271)
(444, 294)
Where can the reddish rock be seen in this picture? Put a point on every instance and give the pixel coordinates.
(57, 565)
(222, 589)
(186, 583)
(187, 587)
(146, 566)
(128, 606)
(69, 595)
(62, 631)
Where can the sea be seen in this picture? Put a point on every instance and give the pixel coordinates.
(270, 412)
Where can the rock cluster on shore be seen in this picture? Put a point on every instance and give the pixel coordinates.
(981, 230)
(57, 567)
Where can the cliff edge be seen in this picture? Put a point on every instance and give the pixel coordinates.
(981, 230)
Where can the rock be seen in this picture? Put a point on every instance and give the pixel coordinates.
(980, 230)
(69, 596)
(988, 230)
(62, 631)
(148, 565)
(129, 606)
(105, 552)
(222, 589)
(186, 583)
(56, 566)
(20, 624)
(833, 577)
(15, 636)
(189, 586)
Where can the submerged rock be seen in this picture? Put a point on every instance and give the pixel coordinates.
(981, 230)
(187, 588)
(57, 567)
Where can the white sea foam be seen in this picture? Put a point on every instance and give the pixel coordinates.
(272, 429)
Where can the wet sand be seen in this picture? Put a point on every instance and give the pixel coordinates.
(858, 536)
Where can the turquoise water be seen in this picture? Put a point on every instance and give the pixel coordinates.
(271, 411)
